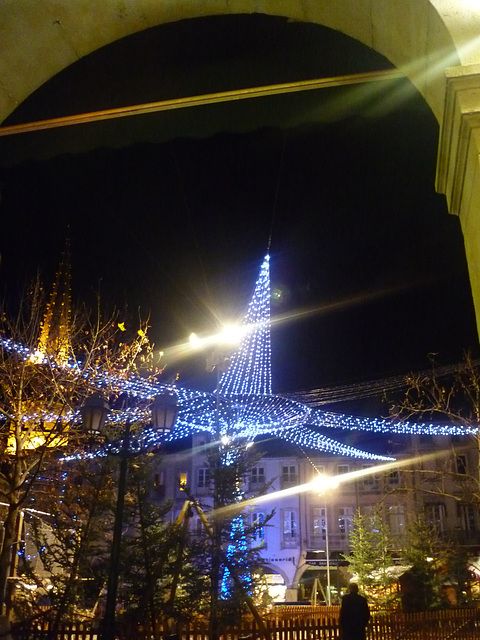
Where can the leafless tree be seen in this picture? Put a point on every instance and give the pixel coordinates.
(51, 360)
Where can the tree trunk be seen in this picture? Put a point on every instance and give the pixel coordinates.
(9, 540)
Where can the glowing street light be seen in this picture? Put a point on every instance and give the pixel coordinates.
(230, 334)
(323, 483)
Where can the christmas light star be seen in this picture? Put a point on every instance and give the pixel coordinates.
(244, 405)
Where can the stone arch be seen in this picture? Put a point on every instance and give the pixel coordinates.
(275, 568)
(301, 569)
(422, 39)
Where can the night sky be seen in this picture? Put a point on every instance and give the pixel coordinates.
(173, 213)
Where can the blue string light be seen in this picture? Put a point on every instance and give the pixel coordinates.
(245, 406)
(236, 551)
(250, 370)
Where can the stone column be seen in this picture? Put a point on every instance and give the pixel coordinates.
(458, 166)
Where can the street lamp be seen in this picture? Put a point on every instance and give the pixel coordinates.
(164, 410)
(327, 555)
(324, 483)
(94, 412)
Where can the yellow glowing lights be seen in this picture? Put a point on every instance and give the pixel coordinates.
(323, 483)
(37, 357)
(228, 335)
(37, 439)
(231, 334)
(194, 340)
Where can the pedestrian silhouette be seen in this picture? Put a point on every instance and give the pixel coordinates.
(354, 614)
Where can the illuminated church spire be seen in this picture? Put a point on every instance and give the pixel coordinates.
(250, 370)
(54, 340)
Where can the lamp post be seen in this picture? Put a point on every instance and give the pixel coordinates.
(327, 554)
(94, 412)
(323, 483)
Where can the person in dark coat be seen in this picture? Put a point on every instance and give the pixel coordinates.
(354, 614)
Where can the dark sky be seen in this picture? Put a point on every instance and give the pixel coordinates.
(172, 213)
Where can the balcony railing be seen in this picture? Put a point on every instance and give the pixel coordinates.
(464, 538)
(336, 541)
(291, 542)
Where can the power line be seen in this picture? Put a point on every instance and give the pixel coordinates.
(367, 389)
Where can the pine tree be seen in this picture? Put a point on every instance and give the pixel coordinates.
(230, 555)
(156, 562)
(427, 556)
(72, 534)
(371, 561)
(242, 576)
(461, 576)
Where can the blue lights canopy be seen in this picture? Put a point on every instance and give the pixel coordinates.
(244, 406)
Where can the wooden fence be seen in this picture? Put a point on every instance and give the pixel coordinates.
(458, 624)
(284, 612)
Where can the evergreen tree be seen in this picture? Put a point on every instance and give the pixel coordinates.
(371, 560)
(233, 562)
(427, 556)
(161, 569)
(461, 576)
(72, 535)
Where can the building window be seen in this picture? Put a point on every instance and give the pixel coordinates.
(289, 474)
(342, 468)
(289, 524)
(461, 465)
(257, 475)
(258, 518)
(368, 481)
(394, 478)
(319, 523)
(199, 527)
(396, 519)
(467, 518)
(345, 520)
(159, 484)
(183, 480)
(435, 513)
(203, 477)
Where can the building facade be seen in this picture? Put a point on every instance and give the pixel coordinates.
(306, 539)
